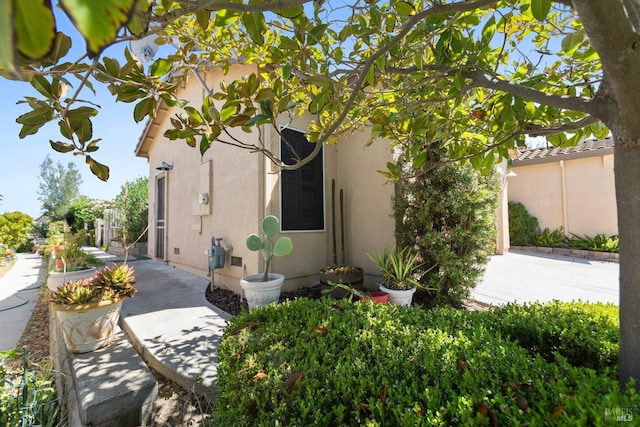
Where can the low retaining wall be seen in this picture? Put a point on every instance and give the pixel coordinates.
(575, 253)
(109, 387)
(117, 248)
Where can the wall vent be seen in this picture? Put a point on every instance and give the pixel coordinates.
(236, 261)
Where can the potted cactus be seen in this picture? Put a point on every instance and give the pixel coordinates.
(264, 288)
(88, 309)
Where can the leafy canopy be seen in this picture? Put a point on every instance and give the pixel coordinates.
(452, 73)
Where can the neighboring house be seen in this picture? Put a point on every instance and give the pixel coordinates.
(570, 187)
(226, 193)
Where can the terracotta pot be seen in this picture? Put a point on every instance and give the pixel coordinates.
(258, 293)
(377, 297)
(399, 297)
(88, 327)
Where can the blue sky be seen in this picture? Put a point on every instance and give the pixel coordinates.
(21, 158)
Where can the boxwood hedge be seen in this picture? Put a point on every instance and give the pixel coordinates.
(327, 363)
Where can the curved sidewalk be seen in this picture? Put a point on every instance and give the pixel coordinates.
(173, 327)
(19, 291)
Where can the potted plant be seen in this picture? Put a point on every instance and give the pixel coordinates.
(378, 297)
(399, 268)
(263, 289)
(346, 274)
(75, 264)
(88, 309)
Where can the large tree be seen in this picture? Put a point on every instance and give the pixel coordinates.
(58, 188)
(475, 76)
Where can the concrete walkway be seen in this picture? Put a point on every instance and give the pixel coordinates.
(173, 327)
(527, 277)
(19, 289)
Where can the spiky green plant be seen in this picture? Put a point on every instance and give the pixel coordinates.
(282, 247)
(399, 267)
(112, 283)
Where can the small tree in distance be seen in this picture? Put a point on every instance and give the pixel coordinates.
(59, 187)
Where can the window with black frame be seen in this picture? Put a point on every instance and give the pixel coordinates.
(301, 190)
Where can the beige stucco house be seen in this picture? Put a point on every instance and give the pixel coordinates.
(572, 187)
(227, 192)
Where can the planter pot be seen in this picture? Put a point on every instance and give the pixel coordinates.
(57, 279)
(88, 327)
(355, 279)
(397, 297)
(259, 294)
(377, 297)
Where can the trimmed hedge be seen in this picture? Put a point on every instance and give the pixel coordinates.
(326, 363)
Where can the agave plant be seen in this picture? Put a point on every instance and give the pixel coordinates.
(74, 292)
(399, 267)
(108, 284)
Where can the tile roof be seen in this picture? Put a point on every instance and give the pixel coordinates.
(585, 149)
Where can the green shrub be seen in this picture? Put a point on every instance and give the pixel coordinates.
(448, 216)
(548, 238)
(330, 363)
(523, 227)
(600, 242)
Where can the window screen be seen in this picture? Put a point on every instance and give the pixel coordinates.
(301, 190)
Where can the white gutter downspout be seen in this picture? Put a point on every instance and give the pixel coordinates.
(565, 208)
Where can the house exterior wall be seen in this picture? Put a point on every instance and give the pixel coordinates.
(577, 194)
(243, 187)
(369, 223)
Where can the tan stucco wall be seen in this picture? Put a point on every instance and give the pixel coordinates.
(368, 198)
(244, 187)
(577, 194)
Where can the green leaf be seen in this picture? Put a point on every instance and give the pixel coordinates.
(205, 144)
(315, 34)
(540, 9)
(256, 25)
(81, 113)
(160, 67)
(129, 93)
(35, 28)
(139, 21)
(42, 85)
(290, 12)
(195, 118)
(258, 119)
(62, 147)
(37, 116)
(98, 169)
(226, 113)
(61, 47)
(82, 128)
(203, 16)
(98, 21)
(143, 109)
(571, 42)
(287, 43)
(30, 129)
(403, 8)
(226, 17)
(7, 42)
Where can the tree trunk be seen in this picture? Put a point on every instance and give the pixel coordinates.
(627, 176)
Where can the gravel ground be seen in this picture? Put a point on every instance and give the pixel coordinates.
(231, 303)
